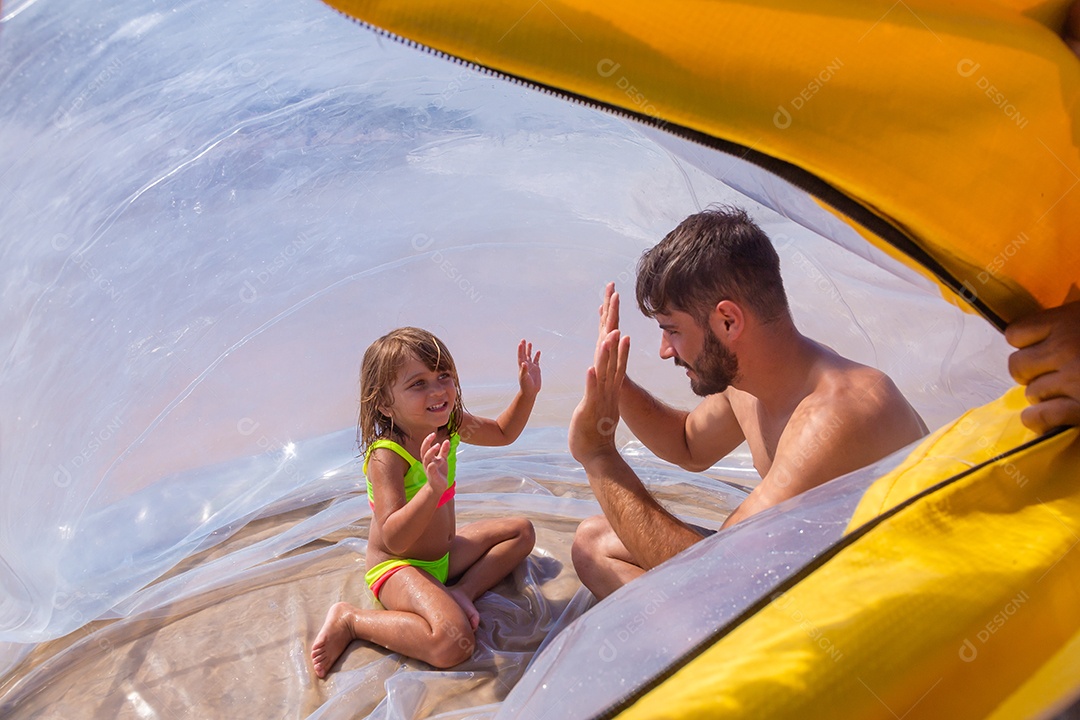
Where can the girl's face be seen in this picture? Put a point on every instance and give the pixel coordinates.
(423, 399)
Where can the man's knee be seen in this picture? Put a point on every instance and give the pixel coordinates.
(592, 530)
(589, 540)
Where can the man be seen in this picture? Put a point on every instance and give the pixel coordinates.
(808, 414)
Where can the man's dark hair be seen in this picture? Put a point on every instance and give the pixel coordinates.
(718, 254)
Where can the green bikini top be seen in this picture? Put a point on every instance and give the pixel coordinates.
(415, 478)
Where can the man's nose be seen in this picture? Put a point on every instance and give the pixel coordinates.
(666, 351)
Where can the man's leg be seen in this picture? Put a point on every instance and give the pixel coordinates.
(601, 560)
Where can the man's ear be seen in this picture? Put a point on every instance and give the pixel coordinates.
(727, 320)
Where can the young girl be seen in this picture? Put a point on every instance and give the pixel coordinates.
(425, 573)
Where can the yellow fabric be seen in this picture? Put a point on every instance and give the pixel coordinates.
(951, 120)
(955, 123)
(973, 438)
(1052, 688)
(944, 610)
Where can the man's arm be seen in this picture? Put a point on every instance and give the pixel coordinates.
(649, 532)
(693, 440)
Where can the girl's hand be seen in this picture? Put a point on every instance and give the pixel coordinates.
(434, 456)
(528, 369)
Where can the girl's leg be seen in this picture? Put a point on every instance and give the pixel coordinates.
(483, 553)
(421, 620)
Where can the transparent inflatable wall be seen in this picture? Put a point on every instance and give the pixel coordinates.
(210, 210)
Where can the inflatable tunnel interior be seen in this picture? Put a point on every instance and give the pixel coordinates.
(211, 209)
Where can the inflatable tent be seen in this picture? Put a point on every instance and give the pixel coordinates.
(945, 132)
(212, 209)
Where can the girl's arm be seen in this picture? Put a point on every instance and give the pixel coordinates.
(403, 523)
(506, 428)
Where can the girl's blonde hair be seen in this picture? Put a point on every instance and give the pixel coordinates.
(382, 362)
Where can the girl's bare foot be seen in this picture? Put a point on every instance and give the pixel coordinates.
(467, 605)
(333, 638)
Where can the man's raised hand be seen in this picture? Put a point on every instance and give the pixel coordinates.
(592, 427)
(609, 317)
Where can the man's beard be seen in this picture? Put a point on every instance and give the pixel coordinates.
(715, 369)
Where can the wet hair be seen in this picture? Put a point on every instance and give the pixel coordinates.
(718, 254)
(379, 370)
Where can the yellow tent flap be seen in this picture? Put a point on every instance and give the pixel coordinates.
(962, 602)
(974, 438)
(945, 131)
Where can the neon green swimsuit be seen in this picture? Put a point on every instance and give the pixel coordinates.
(415, 478)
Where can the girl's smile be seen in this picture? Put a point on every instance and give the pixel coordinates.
(423, 398)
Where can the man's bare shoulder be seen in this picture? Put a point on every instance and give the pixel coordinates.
(854, 416)
(866, 403)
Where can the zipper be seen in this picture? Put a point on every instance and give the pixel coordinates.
(802, 179)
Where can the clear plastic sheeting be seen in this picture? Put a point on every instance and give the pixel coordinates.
(647, 626)
(211, 209)
(229, 630)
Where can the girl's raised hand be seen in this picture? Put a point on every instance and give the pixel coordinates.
(528, 369)
(434, 456)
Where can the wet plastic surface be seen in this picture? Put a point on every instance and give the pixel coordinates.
(648, 625)
(210, 211)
